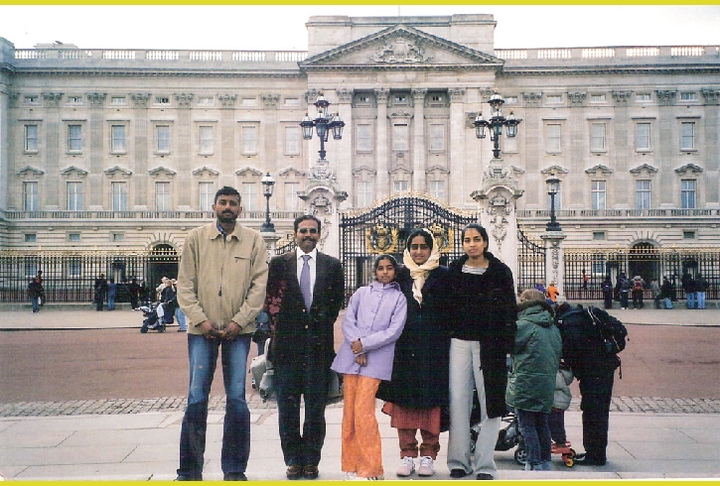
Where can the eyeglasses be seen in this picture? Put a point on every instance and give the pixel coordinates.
(304, 231)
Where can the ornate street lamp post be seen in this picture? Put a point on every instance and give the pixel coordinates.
(324, 122)
(496, 123)
(553, 188)
(267, 183)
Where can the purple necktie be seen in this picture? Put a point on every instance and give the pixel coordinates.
(305, 282)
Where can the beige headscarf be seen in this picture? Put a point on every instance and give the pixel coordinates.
(420, 272)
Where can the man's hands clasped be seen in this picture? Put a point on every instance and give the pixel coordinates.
(211, 330)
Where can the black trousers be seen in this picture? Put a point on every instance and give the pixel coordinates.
(596, 392)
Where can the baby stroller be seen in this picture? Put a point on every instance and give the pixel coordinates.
(153, 318)
(508, 437)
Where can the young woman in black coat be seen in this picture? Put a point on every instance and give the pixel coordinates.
(483, 311)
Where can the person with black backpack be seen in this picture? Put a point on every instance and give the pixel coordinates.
(591, 339)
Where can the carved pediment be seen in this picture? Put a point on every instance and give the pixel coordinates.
(437, 169)
(205, 171)
(249, 172)
(73, 171)
(364, 169)
(161, 171)
(118, 172)
(695, 169)
(29, 171)
(291, 172)
(602, 169)
(401, 46)
(644, 168)
(401, 170)
(554, 169)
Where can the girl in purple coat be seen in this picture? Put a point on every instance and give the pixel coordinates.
(373, 322)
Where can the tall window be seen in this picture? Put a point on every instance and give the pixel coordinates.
(437, 137)
(437, 189)
(30, 196)
(292, 201)
(597, 195)
(31, 138)
(687, 136)
(642, 137)
(364, 137)
(206, 193)
(248, 191)
(401, 186)
(74, 196)
(553, 140)
(74, 142)
(597, 137)
(118, 191)
(117, 144)
(363, 194)
(687, 194)
(642, 194)
(249, 140)
(400, 137)
(206, 140)
(162, 135)
(292, 140)
(162, 196)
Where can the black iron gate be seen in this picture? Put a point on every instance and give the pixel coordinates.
(383, 228)
(531, 263)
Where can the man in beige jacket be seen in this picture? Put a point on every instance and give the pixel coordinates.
(221, 288)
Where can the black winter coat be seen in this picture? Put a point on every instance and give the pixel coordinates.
(420, 372)
(483, 308)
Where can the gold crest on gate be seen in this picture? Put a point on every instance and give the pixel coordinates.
(443, 237)
(381, 238)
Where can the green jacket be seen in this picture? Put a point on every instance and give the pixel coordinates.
(535, 359)
(222, 279)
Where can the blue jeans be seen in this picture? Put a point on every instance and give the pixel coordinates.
(690, 300)
(180, 319)
(203, 354)
(111, 302)
(35, 304)
(536, 434)
(700, 299)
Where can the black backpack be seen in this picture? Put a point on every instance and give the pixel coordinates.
(613, 332)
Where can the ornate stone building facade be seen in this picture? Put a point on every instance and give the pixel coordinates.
(124, 149)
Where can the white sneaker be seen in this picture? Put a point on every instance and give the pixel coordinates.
(407, 467)
(426, 466)
(350, 476)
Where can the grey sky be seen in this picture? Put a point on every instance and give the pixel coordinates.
(282, 27)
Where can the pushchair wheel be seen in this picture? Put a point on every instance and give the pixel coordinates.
(161, 328)
(521, 455)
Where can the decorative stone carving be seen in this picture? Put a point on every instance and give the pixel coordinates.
(183, 99)
(52, 100)
(400, 51)
(344, 95)
(270, 100)
(118, 172)
(457, 95)
(621, 96)
(666, 96)
(603, 169)
(532, 98)
(647, 168)
(74, 172)
(29, 172)
(95, 99)
(161, 171)
(381, 95)
(227, 100)
(711, 95)
(692, 168)
(140, 99)
(577, 98)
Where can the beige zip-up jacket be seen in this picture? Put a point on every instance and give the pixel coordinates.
(222, 279)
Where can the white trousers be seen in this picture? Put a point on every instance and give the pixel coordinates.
(466, 374)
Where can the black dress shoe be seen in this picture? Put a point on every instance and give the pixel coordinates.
(188, 477)
(484, 476)
(311, 472)
(585, 460)
(294, 472)
(236, 476)
(458, 473)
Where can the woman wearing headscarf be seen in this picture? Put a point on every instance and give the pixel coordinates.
(418, 390)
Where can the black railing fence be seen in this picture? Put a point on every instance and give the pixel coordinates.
(70, 276)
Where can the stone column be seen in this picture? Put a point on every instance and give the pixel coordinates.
(96, 177)
(382, 179)
(457, 184)
(4, 106)
(52, 155)
(419, 182)
(554, 259)
(185, 147)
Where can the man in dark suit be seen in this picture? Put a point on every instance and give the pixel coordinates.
(303, 343)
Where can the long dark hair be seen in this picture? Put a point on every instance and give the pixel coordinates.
(483, 233)
(429, 240)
